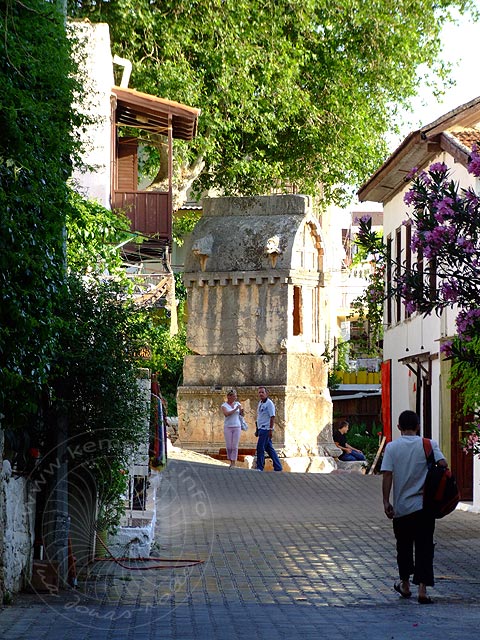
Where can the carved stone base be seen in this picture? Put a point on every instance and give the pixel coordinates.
(296, 384)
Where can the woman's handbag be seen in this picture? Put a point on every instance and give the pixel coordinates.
(243, 424)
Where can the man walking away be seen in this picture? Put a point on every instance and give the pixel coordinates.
(405, 466)
(265, 425)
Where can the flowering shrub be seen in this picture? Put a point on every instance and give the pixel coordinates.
(472, 443)
(446, 233)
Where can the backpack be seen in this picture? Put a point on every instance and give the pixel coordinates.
(440, 492)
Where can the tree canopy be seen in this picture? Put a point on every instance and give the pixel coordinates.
(291, 91)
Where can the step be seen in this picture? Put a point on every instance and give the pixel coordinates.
(241, 451)
(221, 456)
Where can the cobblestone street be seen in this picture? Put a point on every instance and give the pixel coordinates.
(283, 555)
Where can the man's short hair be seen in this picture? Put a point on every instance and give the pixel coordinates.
(343, 423)
(408, 421)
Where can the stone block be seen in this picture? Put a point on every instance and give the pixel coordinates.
(298, 464)
(357, 466)
(322, 464)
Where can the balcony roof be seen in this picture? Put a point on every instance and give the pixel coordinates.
(144, 111)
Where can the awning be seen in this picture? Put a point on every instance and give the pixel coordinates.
(144, 111)
(420, 362)
(357, 395)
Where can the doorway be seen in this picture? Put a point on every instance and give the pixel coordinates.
(461, 463)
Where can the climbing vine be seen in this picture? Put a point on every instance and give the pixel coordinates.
(36, 147)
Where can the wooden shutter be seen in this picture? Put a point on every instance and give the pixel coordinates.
(127, 166)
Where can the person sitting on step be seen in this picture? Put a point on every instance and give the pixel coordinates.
(349, 453)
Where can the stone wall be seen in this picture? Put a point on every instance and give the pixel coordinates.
(2, 519)
(18, 529)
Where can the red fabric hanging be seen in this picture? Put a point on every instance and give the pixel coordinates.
(386, 376)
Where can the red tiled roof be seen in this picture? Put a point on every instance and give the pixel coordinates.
(466, 137)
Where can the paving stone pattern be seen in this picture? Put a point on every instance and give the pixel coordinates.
(284, 555)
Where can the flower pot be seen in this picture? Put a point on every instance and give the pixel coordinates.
(361, 377)
(101, 543)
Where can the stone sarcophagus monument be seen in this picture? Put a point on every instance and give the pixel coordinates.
(253, 272)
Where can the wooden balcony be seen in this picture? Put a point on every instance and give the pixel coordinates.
(149, 212)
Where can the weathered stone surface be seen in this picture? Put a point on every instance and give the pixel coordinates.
(18, 521)
(356, 466)
(234, 370)
(242, 234)
(254, 275)
(298, 464)
(321, 464)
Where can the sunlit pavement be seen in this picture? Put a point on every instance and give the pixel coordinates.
(283, 556)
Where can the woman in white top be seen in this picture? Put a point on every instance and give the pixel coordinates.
(232, 410)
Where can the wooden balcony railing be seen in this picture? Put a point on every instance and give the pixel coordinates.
(148, 211)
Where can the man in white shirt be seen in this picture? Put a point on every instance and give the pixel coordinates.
(265, 425)
(405, 467)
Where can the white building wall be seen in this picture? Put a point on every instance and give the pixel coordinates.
(342, 285)
(93, 178)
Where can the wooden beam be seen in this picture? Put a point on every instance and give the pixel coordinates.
(377, 456)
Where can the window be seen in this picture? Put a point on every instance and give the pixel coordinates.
(389, 280)
(432, 278)
(408, 254)
(398, 271)
(297, 311)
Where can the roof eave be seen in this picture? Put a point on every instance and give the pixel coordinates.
(418, 148)
(135, 103)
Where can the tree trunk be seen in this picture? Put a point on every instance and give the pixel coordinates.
(180, 189)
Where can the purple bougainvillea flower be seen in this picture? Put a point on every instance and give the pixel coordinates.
(474, 164)
(450, 291)
(411, 173)
(444, 207)
(410, 306)
(446, 348)
(466, 244)
(410, 197)
(425, 178)
(465, 321)
(438, 167)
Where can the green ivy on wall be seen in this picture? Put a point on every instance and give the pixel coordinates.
(36, 147)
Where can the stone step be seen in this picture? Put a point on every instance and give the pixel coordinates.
(241, 451)
(223, 456)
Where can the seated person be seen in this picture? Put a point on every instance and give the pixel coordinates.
(350, 454)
